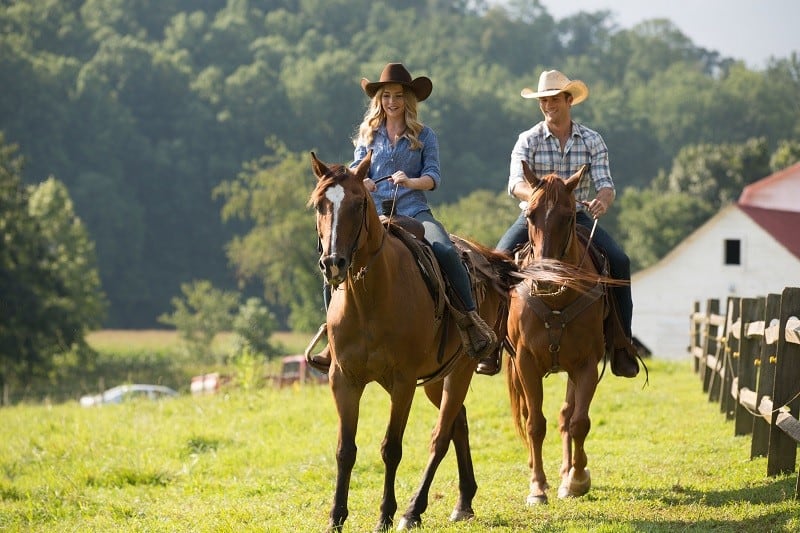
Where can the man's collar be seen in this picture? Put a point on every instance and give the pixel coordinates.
(574, 130)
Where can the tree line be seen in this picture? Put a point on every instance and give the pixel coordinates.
(180, 128)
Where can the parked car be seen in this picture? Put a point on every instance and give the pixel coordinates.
(126, 393)
(294, 369)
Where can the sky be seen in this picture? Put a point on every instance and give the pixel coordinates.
(750, 30)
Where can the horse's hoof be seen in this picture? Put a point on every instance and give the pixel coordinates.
(536, 499)
(572, 487)
(406, 523)
(538, 493)
(383, 526)
(460, 515)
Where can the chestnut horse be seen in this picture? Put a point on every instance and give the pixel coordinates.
(555, 324)
(384, 326)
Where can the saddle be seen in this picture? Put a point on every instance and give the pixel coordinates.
(411, 232)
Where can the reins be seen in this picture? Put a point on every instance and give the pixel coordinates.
(363, 270)
(588, 243)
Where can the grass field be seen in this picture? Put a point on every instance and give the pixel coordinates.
(662, 459)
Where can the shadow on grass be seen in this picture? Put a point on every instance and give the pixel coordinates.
(660, 510)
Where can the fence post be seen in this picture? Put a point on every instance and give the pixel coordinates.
(696, 336)
(710, 343)
(766, 377)
(782, 453)
(730, 355)
(751, 332)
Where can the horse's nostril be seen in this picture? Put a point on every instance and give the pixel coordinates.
(333, 266)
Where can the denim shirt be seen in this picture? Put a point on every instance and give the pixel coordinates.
(388, 159)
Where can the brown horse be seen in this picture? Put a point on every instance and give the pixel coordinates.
(385, 326)
(555, 324)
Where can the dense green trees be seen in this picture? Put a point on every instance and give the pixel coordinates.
(49, 284)
(142, 109)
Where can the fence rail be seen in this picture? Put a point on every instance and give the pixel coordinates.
(748, 359)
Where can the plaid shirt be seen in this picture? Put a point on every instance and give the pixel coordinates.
(542, 151)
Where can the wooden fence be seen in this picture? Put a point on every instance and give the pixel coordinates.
(748, 358)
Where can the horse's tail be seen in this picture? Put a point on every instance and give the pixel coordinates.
(502, 270)
(519, 408)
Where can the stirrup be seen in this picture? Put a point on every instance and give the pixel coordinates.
(322, 332)
(489, 365)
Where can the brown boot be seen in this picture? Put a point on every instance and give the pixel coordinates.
(322, 360)
(624, 363)
(478, 338)
(489, 365)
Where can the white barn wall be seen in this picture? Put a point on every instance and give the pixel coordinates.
(664, 293)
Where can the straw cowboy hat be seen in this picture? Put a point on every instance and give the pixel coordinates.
(552, 82)
(397, 73)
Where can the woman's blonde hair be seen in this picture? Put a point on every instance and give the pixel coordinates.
(375, 116)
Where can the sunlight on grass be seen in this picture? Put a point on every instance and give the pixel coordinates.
(662, 459)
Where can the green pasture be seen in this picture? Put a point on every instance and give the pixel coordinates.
(662, 459)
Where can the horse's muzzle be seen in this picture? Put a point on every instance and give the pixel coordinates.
(334, 268)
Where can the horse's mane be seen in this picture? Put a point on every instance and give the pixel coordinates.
(547, 191)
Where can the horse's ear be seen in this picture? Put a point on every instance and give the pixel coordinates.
(572, 181)
(362, 169)
(529, 175)
(320, 169)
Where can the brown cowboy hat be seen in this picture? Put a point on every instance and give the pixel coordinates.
(397, 73)
(552, 82)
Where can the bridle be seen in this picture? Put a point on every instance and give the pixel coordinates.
(356, 242)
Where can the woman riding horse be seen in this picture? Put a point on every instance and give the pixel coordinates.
(386, 324)
(405, 164)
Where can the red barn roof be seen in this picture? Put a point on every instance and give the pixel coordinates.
(784, 226)
(780, 191)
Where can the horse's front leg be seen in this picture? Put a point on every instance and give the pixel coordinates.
(347, 397)
(402, 396)
(449, 397)
(537, 430)
(530, 377)
(577, 480)
(564, 418)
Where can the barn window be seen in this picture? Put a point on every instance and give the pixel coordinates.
(733, 252)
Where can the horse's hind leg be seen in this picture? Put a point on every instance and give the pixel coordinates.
(392, 450)
(347, 398)
(467, 486)
(451, 425)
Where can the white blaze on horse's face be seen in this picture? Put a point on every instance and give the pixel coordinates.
(335, 196)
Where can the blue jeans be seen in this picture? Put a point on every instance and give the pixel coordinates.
(618, 261)
(447, 256)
